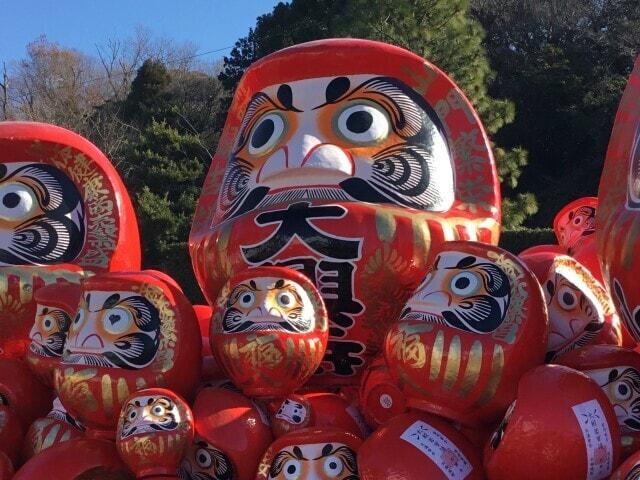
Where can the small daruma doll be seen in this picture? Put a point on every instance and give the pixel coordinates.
(561, 426)
(154, 429)
(269, 330)
(56, 306)
(579, 308)
(576, 222)
(617, 371)
(476, 323)
(310, 454)
(131, 331)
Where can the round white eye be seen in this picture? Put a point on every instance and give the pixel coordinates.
(48, 323)
(464, 283)
(363, 123)
(285, 299)
(17, 201)
(266, 133)
(203, 458)
(567, 298)
(78, 320)
(332, 466)
(247, 299)
(158, 410)
(292, 469)
(117, 320)
(622, 391)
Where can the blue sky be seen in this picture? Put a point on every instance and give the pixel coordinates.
(81, 24)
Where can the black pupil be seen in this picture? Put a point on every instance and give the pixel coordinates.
(359, 122)
(567, 298)
(47, 323)
(202, 458)
(11, 200)
(462, 283)
(623, 389)
(246, 298)
(291, 469)
(284, 299)
(263, 133)
(114, 318)
(333, 465)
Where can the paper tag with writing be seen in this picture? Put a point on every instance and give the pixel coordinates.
(439, 449)
(597, 439)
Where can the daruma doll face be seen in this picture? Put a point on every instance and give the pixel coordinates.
(476, 323)
(347, 160)
(269, 330)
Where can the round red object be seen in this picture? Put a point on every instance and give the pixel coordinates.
(416, 445)
(11, 433)
(473, 327)
(231, 434)
(78, 459)
(56, 306)
(269, 330)
(575, 222)
(161, 421)
(618, 214)
(6, 467)
(332, 410)
(629, 470)
(311, 453)
(561, 426)
(21, 390)
(380, 396)
(133, 330)
(307, 196)
(291, 413)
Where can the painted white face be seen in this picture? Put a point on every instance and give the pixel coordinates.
(268, 303)
(113, 329)
(622, 386)
(314, 461)
(41, 215)
(462, 291)
(292, 412)
(49, 331)
(355, 138)
(203, 461)
(576, 315)
(145, 414)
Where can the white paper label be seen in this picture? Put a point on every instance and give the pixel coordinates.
(439, 449)
(386, 401)
(597, 439)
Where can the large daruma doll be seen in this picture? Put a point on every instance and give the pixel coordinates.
(131, 331)
(64, 213)
(618, 215)
(347, 160)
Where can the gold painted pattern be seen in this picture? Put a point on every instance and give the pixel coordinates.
(107, 395)
(472, 370)
(452, 368)
(497, 364)
(436, 356)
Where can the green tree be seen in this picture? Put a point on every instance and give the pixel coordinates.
(564, 63)
(167, 172)
(439, 30)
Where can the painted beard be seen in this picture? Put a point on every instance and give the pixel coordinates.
(53, 235)
(132, 352)
(52, 346)
(412, 169)
(235, 321)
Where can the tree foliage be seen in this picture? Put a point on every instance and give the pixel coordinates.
(564, 63)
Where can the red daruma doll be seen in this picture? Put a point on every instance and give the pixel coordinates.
(64, 213)
(476, 323)
(131, 331)
(561, 426)
(162, 422)
(348, 160)
(269, 330)
(56, 306)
